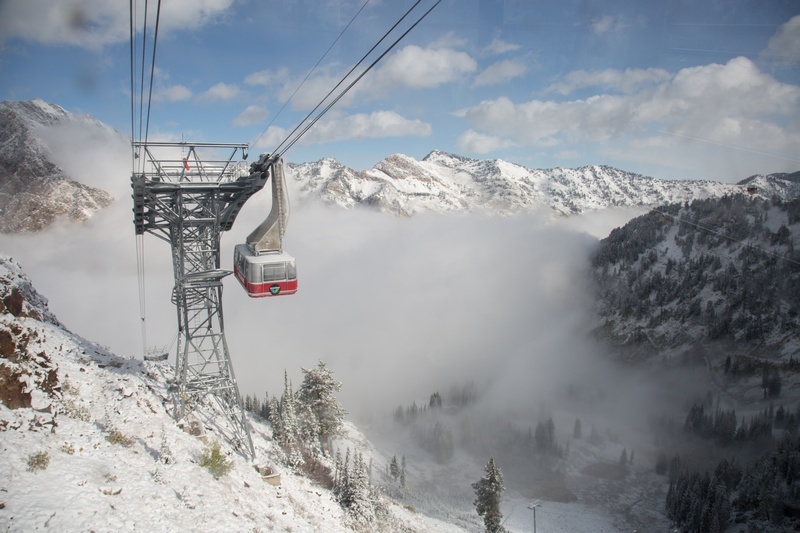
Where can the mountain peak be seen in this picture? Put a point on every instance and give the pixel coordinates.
(443, 182)
(34, 191)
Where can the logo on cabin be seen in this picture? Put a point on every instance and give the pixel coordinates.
(274, 289)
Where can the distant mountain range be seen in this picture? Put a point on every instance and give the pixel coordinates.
(445, 183)
(34, 191)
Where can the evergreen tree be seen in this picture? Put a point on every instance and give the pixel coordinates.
(435, 401)
(488, 493)
(275, 419)
(576, 432)
(394, 469)
(317, 392)
(623, 458)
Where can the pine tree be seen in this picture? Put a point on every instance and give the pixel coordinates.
(394, 469)
(291, 431)
(317, 392)
(576, 432)
(360, 504)
(488, 493)
(275, 419)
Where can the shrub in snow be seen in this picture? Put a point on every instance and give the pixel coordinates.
(38, 461)
(164, 453)
(117, 437)
(215, 461)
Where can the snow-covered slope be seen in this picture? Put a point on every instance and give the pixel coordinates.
(88, 444)
(34, 191)
(718, 272)
(444, 182)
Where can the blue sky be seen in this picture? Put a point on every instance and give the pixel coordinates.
(672, 89)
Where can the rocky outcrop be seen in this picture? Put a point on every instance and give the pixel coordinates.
(34, 192)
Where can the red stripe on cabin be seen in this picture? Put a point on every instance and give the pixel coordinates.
(269, 288)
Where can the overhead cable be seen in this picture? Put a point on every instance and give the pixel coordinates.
(291, 139)
(309, 73)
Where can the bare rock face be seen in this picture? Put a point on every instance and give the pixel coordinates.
(34, 192)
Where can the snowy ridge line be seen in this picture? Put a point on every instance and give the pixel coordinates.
(446, 183)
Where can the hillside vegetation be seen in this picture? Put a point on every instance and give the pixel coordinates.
(722, 272)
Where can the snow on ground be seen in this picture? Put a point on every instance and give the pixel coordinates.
(88, 444)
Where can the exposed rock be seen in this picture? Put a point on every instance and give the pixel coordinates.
(34, 192)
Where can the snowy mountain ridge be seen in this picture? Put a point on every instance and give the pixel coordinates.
(445, 183)
(34, 191)
(36, 137)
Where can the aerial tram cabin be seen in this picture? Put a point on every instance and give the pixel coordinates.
(261, 265)
(265, 274)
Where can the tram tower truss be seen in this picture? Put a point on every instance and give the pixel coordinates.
(188, 201)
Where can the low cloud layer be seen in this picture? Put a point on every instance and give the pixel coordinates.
(396, 307)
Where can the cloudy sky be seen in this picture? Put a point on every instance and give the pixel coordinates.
(673, 89)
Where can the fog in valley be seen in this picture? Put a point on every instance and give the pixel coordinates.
(494, 310)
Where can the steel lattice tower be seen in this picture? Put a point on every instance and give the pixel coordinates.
(188, 202)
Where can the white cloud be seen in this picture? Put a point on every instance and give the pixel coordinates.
(449, 40)
(422, 68)
(173, 93)
(499, 47)
(270, 139)
(718, 109)
(784, 47)
(412, 67)
(625, 81)
(252, 114)
(567, 154)
(268, 78)
(221, 92)
(734, 102)
(96, 23)
(336, 127)
(607, 24)
(500, 72)
(477, 143)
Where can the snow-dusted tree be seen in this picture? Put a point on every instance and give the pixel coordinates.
(275, 418)
(352, 488)
(317, 392)
(488, 493)
(394, 468)
(339, 470)
(308, 428)
(403, 477)
(291, 431)
(576, 432)
(359, 494)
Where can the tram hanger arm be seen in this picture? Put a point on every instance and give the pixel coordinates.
(268, 236)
